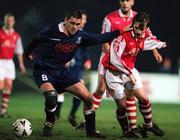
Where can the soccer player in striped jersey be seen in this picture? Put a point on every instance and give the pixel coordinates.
(120, 73)
(50, 50)
(10, 44)
(119, 19)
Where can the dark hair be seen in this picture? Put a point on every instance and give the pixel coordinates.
(142, 18)
(74, 13)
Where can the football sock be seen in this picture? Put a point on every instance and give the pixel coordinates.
(90, 122)
(5, 101)
(60, 101)
(145, 109)
(123, 120)
(58, 109)
(75, 105)
(131, 111)
(96, 100)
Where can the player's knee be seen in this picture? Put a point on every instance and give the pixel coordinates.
(50, 99)
(143, 99)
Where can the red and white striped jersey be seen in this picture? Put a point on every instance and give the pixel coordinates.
(117, 21)
(10, 43)
(123, 51)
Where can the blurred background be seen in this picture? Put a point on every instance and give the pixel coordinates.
(32, 15)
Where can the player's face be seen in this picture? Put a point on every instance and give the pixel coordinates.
(84, 21)
(126, 5)
(9, 22)
(72, 25)
(139, 29)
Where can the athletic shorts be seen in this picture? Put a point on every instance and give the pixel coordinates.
(7, 69)
(78, 71)
(115, 82)
(60, 78)
(100, 65)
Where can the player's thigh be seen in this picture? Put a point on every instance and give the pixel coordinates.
(1, 84)
(79, 90)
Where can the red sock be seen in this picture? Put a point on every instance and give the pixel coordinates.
(5, 102)
(131, 112)
(145, 109)
(96, 100)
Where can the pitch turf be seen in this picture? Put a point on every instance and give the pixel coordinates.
(30, 106)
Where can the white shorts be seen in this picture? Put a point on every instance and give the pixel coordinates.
(100, 65)
(115, 82)
(7, 69)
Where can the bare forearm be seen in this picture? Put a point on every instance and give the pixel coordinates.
(105, 47)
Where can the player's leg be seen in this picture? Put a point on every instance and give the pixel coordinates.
(8, 74)
(75, 104)
(6, 92)
(131, 109)
(115, 88)
(60, 101)
(72, 115)
(101, 87)
(82, 92)
(50, 95)
(144, 104)
(97, 95)
(146, 111)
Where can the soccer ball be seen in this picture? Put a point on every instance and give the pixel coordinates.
(22, 128)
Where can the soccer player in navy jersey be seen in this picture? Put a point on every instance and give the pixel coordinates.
(78, 64)
(50, 50)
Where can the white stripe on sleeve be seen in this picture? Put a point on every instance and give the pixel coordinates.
(151, 43)
(116, 50)
(106, 27)
(19, 46)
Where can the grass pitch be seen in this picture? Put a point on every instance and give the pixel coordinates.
(30, 106)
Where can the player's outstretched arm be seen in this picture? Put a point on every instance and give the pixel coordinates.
(95, 39)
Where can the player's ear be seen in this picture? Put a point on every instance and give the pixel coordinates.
(65, 19)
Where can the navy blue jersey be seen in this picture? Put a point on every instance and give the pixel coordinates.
(82, 54)
(53, 49)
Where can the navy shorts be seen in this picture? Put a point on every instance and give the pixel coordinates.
(60, 78)
(78, 71)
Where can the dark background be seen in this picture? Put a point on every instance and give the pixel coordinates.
(32, 15)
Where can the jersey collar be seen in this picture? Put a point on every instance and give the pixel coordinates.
(122, 15)
(8, 31)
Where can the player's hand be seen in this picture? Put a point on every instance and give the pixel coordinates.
(157, 56)
(22, 69)
(127, 28)
(30, 56)
(164, 45)
(132, 78)
(87, 64)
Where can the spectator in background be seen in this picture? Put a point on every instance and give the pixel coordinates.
(166, 66)
(10, 43)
